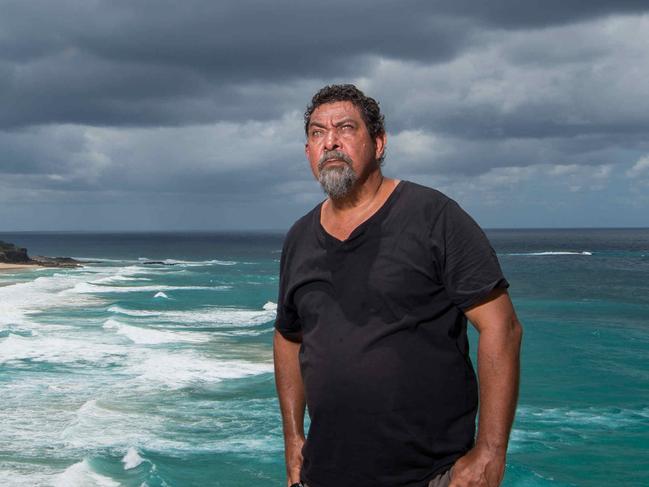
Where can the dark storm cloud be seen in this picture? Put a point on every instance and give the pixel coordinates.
(163, 62)
(203, 99)
(516, 14)
(149, 63)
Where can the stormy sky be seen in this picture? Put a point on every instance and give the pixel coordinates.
(166, 115)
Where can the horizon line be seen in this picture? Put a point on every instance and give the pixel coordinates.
(284, 230)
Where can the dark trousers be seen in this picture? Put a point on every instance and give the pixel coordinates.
(441, 480)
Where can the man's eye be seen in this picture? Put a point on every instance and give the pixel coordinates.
(346, 127)
(316, 133)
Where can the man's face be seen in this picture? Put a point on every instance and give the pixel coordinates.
(339, 147)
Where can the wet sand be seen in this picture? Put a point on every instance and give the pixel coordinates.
(15, 267)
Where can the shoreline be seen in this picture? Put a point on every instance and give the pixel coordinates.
(17, 267)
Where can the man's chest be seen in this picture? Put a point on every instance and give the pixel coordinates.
(385, 276)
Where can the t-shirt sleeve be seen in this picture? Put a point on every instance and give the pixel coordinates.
(467, 263)
(287, 322)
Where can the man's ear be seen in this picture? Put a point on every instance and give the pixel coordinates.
(380, 141)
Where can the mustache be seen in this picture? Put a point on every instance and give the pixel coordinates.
(334, 154)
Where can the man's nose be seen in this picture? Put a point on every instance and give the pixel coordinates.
(331, 140)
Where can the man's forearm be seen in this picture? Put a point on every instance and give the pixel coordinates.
(498, 372)
(290, 390)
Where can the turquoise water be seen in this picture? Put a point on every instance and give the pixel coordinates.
(131, 374)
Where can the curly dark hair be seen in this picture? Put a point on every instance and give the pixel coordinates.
(368, 107)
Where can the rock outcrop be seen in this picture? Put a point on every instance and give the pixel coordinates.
(10, 254)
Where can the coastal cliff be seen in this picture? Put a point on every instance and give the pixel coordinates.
(10, 254)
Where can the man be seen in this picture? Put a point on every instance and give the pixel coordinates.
(376, 285)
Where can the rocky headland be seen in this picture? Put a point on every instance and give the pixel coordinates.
(10, 254)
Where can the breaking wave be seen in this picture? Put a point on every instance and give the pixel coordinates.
(213, 315)
(551, 253)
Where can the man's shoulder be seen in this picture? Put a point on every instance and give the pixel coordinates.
(432, 206)
(302, 226)
(419, 190)
(427, 198)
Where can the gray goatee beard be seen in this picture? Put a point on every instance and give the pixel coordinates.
(337, 182)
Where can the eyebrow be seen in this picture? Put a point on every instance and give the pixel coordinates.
(337, 124)
(344, 121)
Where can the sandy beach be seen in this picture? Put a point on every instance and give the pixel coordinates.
(13, 267)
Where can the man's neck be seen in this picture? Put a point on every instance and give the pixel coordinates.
(361, 197)
(340, 219)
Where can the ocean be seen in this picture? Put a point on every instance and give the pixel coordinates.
(128, 373)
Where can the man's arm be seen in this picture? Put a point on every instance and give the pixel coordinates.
(498, 373)
(290, 390)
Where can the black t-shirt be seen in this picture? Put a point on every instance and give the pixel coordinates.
(390, 388)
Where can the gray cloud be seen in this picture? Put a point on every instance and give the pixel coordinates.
(150, 63)
(513, 14)
(201, 101)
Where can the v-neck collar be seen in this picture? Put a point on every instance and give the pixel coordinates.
(361, 227)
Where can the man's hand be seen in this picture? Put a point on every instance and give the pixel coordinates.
(478, 468)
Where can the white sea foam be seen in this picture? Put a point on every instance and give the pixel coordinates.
(243, 332)
(69, 288)
(88, 288)
(117, 279)
(132, 459)
(20, 301)
(547, 427)
(147, 336)
(190, 263)
(133, 270)
(17, 477)
(551, 253)
(601, 417)
(136, 270)
(81, 474)
(211, 316)
(270, 306)
(99, 426)
(160, 294)
(57, 350)
(31, 419)
(180, 369)
(124, 427)
(44, 419)
(73, 288)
